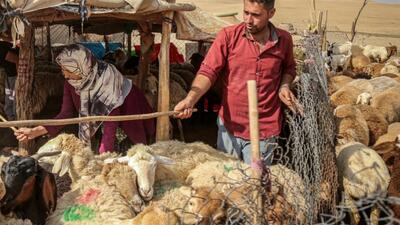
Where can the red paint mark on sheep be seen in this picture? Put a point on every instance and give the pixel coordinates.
(89, 196)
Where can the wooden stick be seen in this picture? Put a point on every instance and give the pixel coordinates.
(4, 120)
(58, 122)
(255, 148)
(162, 131)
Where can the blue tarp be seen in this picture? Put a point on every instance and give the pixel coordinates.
(98, 48)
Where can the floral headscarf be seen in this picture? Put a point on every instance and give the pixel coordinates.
(101, 89)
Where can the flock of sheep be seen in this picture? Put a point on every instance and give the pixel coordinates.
(364, 88)
(191, 183)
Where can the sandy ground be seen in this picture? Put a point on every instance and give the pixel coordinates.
(378, 24)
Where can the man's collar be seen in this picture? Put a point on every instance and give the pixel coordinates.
(275, 34)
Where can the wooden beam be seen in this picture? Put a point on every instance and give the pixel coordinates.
(163, 79)
(48, 44)
(146, 46)
(24, 82)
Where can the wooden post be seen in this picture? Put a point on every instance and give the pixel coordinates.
(146, 46)
(255, 149)
(163, 79)
(129, 42)
(48, 46)
(24, 82)
(319, 23)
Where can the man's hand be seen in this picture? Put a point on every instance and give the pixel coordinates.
(286, 95)
(185, 108)
(24, 134)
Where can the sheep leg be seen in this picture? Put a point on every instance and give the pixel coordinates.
(354, 214)
(375, 212)
(180, 128)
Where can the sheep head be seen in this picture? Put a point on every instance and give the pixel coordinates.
(30, 190)
(151, 85)
(205, 206)
(69, 145)
(144, 163)
(364, 98)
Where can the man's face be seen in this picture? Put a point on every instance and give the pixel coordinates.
(256, 16)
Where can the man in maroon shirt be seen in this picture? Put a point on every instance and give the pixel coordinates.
(253, 50)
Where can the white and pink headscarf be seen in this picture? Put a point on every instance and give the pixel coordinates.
(101, 89)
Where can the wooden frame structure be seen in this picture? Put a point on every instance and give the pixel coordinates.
(117, 18)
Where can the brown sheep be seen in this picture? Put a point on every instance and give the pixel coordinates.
(351, 125)
(388, 103)
(377, 123)
(336, 82)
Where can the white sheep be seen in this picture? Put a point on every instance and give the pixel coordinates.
(338, 62)
(389, 68)
(376, 53)
(364, 98)
(91, 202)
(362, 174)
(81, 164)
(167, 160)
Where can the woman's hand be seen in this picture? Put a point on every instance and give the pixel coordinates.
(24, 134)
(185, 108)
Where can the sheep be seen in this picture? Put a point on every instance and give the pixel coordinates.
(340, 49)
(350, 92)
(338, 63)
(144, 163)
(155, 215)
(336, 82)
(386, 144)
(116, 173)
(167, 160)
(92, 202)
(364, 98)
(376, 53)
(226, 176)
(377, 124)
(30, 191)
(362, 174)
(388, 68)
(359, 62)
(12, 221)
(351, 125)
(80, 162)
(388, 103)
(393, 60)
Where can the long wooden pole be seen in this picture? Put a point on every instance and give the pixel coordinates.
(24, 82)
(162, 133)
(146, 45)
(57, 122)
(255, 149)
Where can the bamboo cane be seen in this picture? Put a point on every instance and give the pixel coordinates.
(255, 148)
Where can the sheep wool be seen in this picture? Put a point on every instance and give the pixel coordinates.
(351, 125)
(362, 172)
(377, 124)
(387, 142)
(388, 103)
(336, 82)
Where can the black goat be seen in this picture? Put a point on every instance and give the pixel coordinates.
(31, 191)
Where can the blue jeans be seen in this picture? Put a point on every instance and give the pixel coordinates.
(241, 148)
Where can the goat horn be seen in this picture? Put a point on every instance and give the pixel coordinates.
(45, 154)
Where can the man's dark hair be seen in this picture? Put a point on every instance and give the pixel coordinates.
(268, 4)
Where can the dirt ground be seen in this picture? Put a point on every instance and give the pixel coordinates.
(379, 24)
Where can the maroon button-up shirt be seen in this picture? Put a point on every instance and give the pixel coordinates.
(236, 58)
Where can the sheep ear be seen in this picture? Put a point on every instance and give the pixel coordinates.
(62, 164)
(49, 190)
(164, 160)
(124, 159)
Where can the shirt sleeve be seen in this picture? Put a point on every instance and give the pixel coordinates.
(216, 57)
(67, 111)
(289, 64)
(109, 133)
